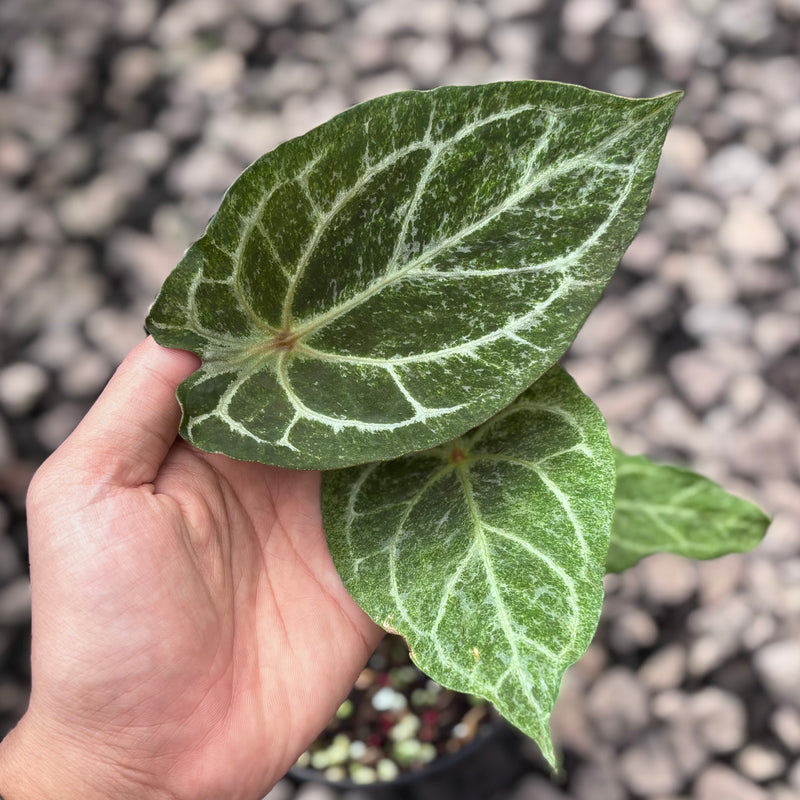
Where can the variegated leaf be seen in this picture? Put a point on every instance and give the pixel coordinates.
(401, 273)
(665, 509)
(487, 554)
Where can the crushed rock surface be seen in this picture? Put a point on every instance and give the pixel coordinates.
(122, 125)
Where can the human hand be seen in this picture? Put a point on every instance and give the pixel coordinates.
(190, 633)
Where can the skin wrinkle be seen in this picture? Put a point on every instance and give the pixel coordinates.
(343, 614)
(233, 507)
(348, 619)
(192, 513)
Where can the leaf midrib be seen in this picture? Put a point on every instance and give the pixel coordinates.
(660, 509)
(522, 676)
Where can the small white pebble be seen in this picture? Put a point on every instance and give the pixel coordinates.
(387, 699)
(21, 385)
(786, 723)
(427, 752)
(357, 749)
(406, 728)
(361, 774)
(336, 773)
(387, 770)
(460, 731)
(760, 763)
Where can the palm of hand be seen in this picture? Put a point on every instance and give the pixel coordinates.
(195, 624)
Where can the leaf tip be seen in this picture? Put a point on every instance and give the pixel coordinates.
(668, 102)
(675, 96)
(549, 754)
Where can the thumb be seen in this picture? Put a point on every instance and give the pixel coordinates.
(127, 433)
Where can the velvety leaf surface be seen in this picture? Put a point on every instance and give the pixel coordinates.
(401, 273)
(487, 554)
(665, 509)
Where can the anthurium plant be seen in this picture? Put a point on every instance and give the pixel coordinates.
(386, 299)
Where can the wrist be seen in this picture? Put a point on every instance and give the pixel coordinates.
(41, 764)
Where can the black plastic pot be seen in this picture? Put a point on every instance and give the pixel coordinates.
(486, 771)
(476, 752)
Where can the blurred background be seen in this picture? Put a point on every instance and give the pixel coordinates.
(122, 123)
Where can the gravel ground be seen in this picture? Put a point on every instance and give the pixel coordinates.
(121, 123)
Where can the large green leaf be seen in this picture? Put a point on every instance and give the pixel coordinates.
(487, 554)
(665, 509)
(402, 272)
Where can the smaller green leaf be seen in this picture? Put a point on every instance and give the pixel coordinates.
(664, 509)
(487, 554)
